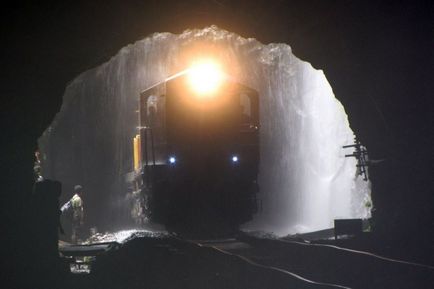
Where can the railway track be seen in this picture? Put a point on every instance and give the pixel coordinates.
(325, 266)
(174, 262)
(233, 248)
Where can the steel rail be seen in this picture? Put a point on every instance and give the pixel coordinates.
(273, 268)
(359, 252)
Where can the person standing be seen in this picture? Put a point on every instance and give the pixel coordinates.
(76, 203)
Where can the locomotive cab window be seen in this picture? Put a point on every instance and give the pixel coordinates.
(246, 109)
(151, 109)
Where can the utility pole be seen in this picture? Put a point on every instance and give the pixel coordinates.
(361, 154)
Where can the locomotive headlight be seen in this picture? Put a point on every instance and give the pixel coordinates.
(172, 160)
(234, 159)
(205, 77)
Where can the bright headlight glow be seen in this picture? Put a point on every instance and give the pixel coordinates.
(205, 77)
(234, 159)
(172, 160)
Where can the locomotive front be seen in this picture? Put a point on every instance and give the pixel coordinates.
(196, 155)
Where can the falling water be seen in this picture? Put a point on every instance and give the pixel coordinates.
(305, 180)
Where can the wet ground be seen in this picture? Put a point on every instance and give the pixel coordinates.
(170, 263)
(244, 262)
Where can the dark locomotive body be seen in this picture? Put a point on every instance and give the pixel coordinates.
(198, 156)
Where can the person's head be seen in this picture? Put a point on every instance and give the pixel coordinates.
(78, 190)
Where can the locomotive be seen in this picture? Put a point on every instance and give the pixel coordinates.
(196, 153)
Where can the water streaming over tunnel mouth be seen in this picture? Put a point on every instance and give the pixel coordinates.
(305, 180)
